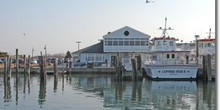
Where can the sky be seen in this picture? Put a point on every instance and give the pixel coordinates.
(59, 24)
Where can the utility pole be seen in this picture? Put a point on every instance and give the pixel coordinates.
(78, 43)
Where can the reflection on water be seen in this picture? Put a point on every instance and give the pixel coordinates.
(86, 92)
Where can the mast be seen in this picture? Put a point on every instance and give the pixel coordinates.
(165, 29)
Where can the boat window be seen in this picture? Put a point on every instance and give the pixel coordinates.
(171, 43)
(201, 45)
(173, 55)
(209, 44)
(168, 55)
(158, 43)
(164, 42)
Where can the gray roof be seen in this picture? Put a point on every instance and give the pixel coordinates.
(96, 48)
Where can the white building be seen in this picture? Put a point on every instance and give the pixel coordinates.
(121, 44)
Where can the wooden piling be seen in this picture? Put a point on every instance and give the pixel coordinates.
(16, 61)
(134, 69)
(29, 66)
(209, 68)
(204, 67)
(55, 66)
(9, 67)
(5, 67)
(63, 65)
(25, 64)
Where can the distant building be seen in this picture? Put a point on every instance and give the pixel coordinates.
(124, 43)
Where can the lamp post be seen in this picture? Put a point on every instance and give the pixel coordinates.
(78, 43)
(45, 48)
(32, 52)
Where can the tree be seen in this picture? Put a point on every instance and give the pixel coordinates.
(68, 55)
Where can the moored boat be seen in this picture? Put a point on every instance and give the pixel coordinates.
(165, 62)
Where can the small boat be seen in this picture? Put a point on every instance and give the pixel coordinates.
(165, 62)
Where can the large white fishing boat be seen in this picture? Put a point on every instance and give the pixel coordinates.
(165, 62)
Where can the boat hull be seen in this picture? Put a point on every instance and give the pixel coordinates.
(171, 71)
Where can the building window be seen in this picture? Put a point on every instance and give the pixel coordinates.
(99, 57)
(126, 42)
(120, 43)
(110, 43)
(173, 55)
(115, 43)
(106, 43)
(142, 43)
(168, 55)
(131, 42)
(90, 57)
(137, 43)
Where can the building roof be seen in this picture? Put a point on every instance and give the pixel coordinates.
(96, 48)
(126, 32)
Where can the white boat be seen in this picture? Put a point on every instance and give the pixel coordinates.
(165, 62)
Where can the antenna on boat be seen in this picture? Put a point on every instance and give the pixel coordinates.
(165, 29)
(210, 32)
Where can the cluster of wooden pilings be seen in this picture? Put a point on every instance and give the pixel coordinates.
(207, 68)
(136, 73)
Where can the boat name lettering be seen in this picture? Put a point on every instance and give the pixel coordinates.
(173, 71)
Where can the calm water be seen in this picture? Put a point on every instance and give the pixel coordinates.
(101, 92)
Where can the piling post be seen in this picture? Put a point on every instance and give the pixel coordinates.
(40, 58)
(63, 65)
(204, 67)
(29, 66)
(16, 61)
(134, 76)
(24, 64)
(5, 67)
(44, 65)
(209, 68)
(70, 65)
(9, 68)
(55, 66)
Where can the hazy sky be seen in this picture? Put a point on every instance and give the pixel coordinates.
(60, 23)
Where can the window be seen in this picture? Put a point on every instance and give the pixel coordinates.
(120, 43)
(171, 43)
(90, 57)
(164, 42)
(137, 43)
(110, 43)
(173, 55)
(126, 42)
(131, 42)
(168, 55)
(158, 43)
(106, 42)
(115, 43)
(142, 43)
(99, 57)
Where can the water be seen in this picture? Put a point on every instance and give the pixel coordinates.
(101, 92)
